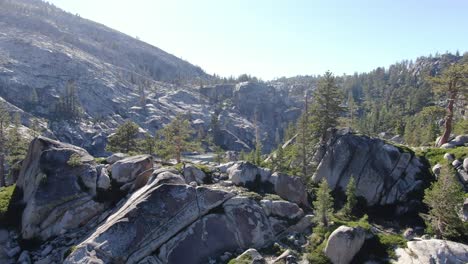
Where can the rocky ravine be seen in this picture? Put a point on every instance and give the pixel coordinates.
(118, 77)
(132, 210)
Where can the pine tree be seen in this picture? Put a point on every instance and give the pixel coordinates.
(124, 139)
(445, 199)
(326, 106)
(323, 206)
(148, 144)
(35, 127)
(17, 144)
(453, 83)
(4, 124)
(68, 106)
(175, 138)
(351, 199)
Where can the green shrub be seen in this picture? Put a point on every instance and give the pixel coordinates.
(436, 155)
(100, 160)
(380, 247)
(272, 197)
(74, 160)
(5, 198)
(69, 251)
(204, 168)
(245, 259)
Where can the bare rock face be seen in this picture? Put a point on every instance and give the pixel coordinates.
(384, 173)
(433, 251)
(244, 224)
(192, 173)
(133, 170)
(290, 188)
(344, 243)
(58, 195)
(150, 217)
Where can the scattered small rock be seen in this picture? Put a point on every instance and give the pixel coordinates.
(448, 156)
(409, 234)
(456, 164)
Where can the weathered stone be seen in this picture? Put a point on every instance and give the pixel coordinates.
(115, 157)
(223, 168)
(456, 163)
(252, 256)
(192, 173)
(54, 190)
(433, 251)
(460, 140)
(247, 174)
(409, 234)
(282, 209)
(252, 226)
(384, 174)
(165, 177)
(104, 181)
(436, 169)
(290, 188)
(136, 169)
(207, 237)
(464, 211)
(149, 218)
(449, 157)
(344, 243)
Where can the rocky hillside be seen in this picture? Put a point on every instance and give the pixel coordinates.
(118, 77)
(69, 207)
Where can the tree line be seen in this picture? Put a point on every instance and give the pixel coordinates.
(13, 145)
(170, 142)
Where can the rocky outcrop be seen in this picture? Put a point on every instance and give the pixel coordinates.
(167, 221)
(193, 174)
(243, 225)
(250, 256)
(433, 251)
(58, 195)
(255, 178)
(115, 157)
(150, 217)
(384, 174)
(344, 243)
(132, 171)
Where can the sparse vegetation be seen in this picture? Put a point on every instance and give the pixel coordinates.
(69, 251)
(445, 199)
(124, 139)
(74, 160)
(5, 198)
(245, 259)
(436, 155)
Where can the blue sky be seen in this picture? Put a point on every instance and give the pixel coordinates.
(277, 38)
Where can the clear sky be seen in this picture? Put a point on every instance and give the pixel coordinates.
(273, 38)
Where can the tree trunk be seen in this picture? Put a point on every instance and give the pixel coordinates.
(448, 121)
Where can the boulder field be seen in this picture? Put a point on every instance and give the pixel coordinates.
(131, 209)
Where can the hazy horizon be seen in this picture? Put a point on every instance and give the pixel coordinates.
(271, 39)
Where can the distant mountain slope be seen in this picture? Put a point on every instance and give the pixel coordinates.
(118, 77)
